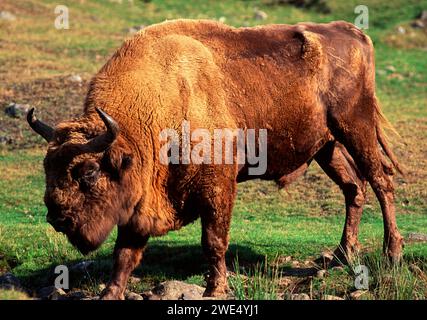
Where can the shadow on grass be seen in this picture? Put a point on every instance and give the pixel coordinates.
(161, 262)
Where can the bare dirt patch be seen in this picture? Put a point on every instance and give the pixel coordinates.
(55, 99)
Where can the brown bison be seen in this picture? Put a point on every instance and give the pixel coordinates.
(311, 86)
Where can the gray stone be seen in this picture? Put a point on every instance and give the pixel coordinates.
(75, 78)
(417, 237)
(6, 140)
(401, 30)
(134, 280)
(7, 16)
(381, 72)
(321, 273)
(135, 29)
(295, 264)
(331, 297)
(260, 15)
(8, 282)
(300, 296)
(177, 290)
(77, 295)
(17, 110)
(418, 24)
(51, 293)
(133, 296)
(423, 15)
(101, 287)
(390, 68)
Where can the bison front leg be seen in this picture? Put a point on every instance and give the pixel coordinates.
(215, 228)
(127, 256)
(215, 244)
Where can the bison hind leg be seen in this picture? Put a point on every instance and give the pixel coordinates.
(337, 163)
(359, 136)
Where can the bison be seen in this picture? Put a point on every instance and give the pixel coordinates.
(311, 86)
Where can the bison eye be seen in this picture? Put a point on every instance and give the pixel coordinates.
(86, 173)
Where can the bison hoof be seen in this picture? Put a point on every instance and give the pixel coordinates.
(216, 292)
(393, 249)
(395, 258)
(111, 293)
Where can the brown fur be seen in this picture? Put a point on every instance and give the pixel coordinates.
(308, 84)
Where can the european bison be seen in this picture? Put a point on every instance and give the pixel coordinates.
(311, 86)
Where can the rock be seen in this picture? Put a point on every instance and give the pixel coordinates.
(101, 287)
(16, 110)
(51, 293)
(81, 266)
(328, 256)
(7, 16)
(330, 297)
(283, 260)
(418, 24)
(300, 296)
(401, 30)
(133, 296)
(9, 282)
(287, 259)
(321, 273)
(135, 29)
(75, 78)
(417, 237)
(381, 72)
(222, 19)
(356, 295)
(134, 280)
(390, 68)
(77, 295)
(260, 15)
(295, 264)
(423, 15)
(325, 259)
(148, 295)
(177, 290)
(286, 281)
(6, 140)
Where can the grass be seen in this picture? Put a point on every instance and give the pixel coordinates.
(268, 224)
(259, 283)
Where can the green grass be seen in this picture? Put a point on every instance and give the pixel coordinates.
(267, 224)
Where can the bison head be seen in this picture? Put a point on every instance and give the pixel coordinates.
(88, 169)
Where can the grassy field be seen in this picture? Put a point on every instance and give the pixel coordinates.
(36, 61)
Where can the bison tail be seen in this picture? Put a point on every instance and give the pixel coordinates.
(382, 137)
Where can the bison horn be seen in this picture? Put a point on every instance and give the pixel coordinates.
(103, 141)
(41, 128)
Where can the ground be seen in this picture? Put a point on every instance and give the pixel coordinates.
(286, 228)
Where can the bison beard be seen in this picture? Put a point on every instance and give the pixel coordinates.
(311, 86)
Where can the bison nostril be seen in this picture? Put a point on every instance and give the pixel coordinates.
(59, 224)
(49, 219)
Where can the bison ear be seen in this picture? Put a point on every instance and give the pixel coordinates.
(117, 162)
